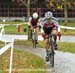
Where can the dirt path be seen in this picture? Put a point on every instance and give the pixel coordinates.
(25, 37)
(64, 62)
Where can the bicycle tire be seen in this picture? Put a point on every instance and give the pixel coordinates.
(34, 43)
(52, 60)
(34, 40)
(52, 54)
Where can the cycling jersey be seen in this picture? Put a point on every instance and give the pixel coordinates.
(33, 21)
(48, 27)
(42, 20)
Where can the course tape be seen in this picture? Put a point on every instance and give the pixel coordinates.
(65, 27)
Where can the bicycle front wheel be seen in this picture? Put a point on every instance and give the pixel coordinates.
(34, 43)
(52, 54)
(34, 40)
(52, 60)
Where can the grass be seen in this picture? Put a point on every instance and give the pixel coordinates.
(62, 46)
(68, 31)
(66, 47)
(69, 24)
(21, 60)
(13, 29)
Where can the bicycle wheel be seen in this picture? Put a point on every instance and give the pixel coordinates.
(52, 60)
(34, 43)
(34, 40)
(52, 55)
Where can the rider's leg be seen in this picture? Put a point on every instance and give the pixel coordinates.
(31, 28)
(55, 38)
(36, 35)
(46, 44)
(47, 49)
(54, 33)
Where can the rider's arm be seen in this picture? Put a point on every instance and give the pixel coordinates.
(57, 25)
(38, 23)
(29, 23)
(55, 19)
(42, 24)
(58, 29)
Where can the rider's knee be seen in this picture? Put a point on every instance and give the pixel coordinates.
(54, 32)
(46, 41)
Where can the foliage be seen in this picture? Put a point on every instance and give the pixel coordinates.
(59, 4)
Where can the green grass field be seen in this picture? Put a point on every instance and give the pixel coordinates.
(12, 29)
(68, 31)
(21, 61)
(62, 46)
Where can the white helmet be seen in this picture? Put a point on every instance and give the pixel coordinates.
(35, 15)
(48, 14)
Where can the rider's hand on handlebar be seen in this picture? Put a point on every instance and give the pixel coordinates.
(45, 35)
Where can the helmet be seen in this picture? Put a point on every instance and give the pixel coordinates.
(35, 15)
(48, 14)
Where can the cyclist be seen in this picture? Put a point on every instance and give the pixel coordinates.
(48, 27)
(57, 26)
(33, 23)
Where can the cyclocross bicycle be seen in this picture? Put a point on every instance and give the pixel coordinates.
(51, 50)
(34, 38)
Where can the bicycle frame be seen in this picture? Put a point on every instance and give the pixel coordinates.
(33, 36)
